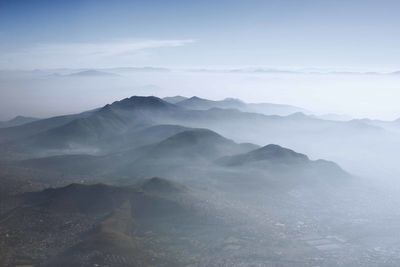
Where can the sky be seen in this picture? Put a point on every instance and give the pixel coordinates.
(308, 35)
(277, 33)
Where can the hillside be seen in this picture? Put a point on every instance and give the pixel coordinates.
(192, 144)
(18, 120)
(271, 153)
(198, 103)
(98, 221)
(292, 168)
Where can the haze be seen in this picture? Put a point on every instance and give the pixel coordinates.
(356, 95)
(199, 133)
(304, 36)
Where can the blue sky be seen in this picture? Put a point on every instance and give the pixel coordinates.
(355, 35)
(277, 33)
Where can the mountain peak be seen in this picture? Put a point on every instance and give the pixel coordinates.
(196, 144)
(174, 99)
(233, 100)
(142, 102)
(19, 118)
(195, 136)
(271, 153)
(196, 98)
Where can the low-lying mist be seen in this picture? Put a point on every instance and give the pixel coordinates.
(151, 181)
(52, 92)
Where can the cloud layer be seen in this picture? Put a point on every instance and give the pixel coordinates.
(53, 55)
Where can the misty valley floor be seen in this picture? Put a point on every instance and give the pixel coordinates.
(155, 182)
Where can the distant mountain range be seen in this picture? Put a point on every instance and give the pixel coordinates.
(122, 125)
(18, 120)
(138, 69)
(144, 136)
(106, 72)
(306, 71)
(174, 99)
(126, 71)
(91, 73)
(198, 103)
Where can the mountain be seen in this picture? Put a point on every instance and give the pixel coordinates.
(138, 69)
(120, 126)
(185, 152)
(97, 198)
(391, 126)
(141, 136)
(73, 134)
(81, 131)
(275, 109)
(101, 198)
(142, 102)
(261, 70)
(88, 131)
(156, 222)
(18, 120)
(92, 73)
(335, 117)
(271, 153)
(122, 149)
(172, 149)
(35, 127)
(193, 144)
(174, 99)
(79, 194)
(106, 123)
(202, 104)
(283, 162)
(105, 225)
(197, 103)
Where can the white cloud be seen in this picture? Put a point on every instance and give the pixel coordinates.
(106, 49)
(50, 55)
